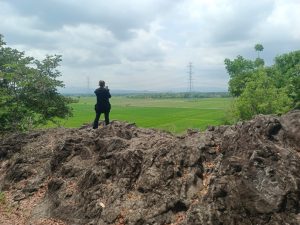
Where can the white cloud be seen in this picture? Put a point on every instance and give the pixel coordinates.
(147, 44)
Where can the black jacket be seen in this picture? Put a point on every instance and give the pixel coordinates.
(103, 96)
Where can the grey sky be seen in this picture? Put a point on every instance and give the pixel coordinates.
(147, 44)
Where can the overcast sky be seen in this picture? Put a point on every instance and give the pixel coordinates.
(147, 44)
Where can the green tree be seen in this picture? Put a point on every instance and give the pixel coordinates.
(240, 71)
(258, 48)
(262, 97)
(260, 89)
(287, 67)
(28, 90)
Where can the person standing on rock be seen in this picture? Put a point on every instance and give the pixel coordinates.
(103, 104)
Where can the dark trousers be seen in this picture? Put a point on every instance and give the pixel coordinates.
(96, 121)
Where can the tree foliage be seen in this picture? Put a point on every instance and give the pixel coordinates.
(288, 67)
(258, 48)
(240, 71)
(262, 97)
(264, 89)
(28, 90)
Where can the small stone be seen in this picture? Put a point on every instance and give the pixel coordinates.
(19, 197)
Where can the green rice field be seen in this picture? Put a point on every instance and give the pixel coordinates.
(174, 115)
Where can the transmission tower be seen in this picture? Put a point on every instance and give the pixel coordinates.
(190, 72)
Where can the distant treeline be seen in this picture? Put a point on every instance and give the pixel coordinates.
(165, 95)
(180, 95)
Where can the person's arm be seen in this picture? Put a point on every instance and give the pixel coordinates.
(108, 93)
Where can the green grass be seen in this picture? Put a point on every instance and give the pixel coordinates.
(175, 115)
(2, 198)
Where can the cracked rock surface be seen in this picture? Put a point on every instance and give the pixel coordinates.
(248, 173)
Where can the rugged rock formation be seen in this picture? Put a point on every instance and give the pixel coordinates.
(120, 174)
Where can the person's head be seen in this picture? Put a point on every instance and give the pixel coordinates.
(101, 83)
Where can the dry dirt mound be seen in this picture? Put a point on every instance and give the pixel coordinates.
(120, 174)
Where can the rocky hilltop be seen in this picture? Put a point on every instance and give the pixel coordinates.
(248, 173)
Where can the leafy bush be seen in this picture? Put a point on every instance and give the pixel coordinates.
(28, 90)
(262, 97)
(261, 89)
